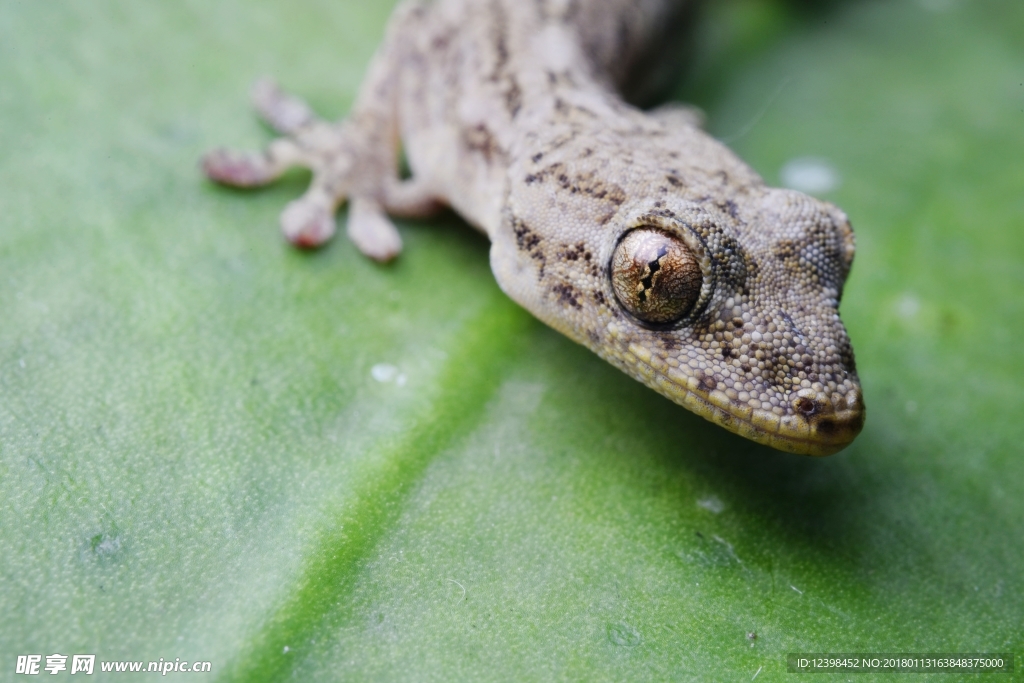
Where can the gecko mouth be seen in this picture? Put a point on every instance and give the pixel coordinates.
(812, 425)
(812, 428)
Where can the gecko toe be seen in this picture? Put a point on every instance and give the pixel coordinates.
(307, 225)
(238, 169)
(371, 231)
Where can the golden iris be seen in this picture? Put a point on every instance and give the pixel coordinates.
(655, 276)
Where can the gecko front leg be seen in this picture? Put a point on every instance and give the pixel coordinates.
(353, 159)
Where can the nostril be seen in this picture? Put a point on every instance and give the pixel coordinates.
(806, 406)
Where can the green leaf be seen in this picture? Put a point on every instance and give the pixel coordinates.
(304, 465)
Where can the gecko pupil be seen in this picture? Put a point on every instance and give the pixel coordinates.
(654, 266)
(655, 276)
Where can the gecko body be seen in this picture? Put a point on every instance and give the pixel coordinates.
(634, 233)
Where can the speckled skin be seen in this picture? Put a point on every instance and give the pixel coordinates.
(509, 112)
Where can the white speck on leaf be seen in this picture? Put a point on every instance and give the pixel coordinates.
(385, 372)
(463, 597)
(624, 635)
(908, 305)
(812, 175)
(712, 504)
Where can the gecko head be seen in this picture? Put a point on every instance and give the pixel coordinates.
(734, 314)
(721, 295)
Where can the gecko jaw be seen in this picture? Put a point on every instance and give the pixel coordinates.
(824, 432)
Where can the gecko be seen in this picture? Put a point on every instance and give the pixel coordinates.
(632, 232)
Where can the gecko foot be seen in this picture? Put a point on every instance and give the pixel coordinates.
(355, 159)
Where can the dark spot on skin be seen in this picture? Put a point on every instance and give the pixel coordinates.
(535, 158)
(745, 367)
(567, 294)
(513, 97)
(728, 352)
(673, 181)
(707, 383)
(586, 183)
(599, 298)
(574, 252)
(479, 139)
(540, 258)
(526, 238)
(441, 42)
(729, 206)
(806, 406)
(500, 41)
(564, 78)
(826, 427)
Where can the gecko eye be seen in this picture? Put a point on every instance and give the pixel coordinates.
(655, 276)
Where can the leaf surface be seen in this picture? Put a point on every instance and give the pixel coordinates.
(308, 466)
